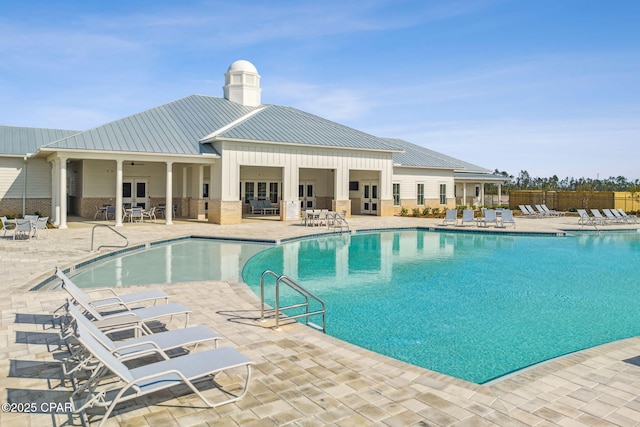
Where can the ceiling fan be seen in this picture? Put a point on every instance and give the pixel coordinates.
(135, 164)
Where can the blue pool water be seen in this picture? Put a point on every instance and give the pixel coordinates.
(180, 261)
(474, 306)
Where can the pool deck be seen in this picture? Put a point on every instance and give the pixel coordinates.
(301, 377)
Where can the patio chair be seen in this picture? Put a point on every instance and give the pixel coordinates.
(599, 219)
(525, 211)
(41, 224)
(136, 215)
(552, 212)
(7, 225)
(146, 379)
(23, 229)
(109, 210)
(468, 215)
(532, 212)
(151, 214)
(489, 217)
(630, 218)
(609, 216)
(585, 218)
(450, 216)
(542, 212)
(507, 218)
(116, 300)
(154, 344)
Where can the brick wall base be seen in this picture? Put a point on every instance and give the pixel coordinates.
(13, 207)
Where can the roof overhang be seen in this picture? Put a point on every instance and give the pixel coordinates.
(303, 145)
(67, 153)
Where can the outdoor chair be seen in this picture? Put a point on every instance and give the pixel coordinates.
(450, 217)
(136, 214)
(153, 344)
(630, 218)
(489, 217)
(41, 224)
(23, 229)
(598, 217)
(115, 300)
(128, 315)
(6, 225)
(468, 215)
(110, 210)
(507, 218)
(611, 217)
(151, 214)
(143, 380)
(525, 211)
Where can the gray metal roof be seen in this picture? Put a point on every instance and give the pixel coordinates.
(173, 128)
(23, 140)
(418, 156)
(481, 176)
(289, 125)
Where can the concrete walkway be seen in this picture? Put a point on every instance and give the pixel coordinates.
(302, 377)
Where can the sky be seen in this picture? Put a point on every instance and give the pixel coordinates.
(548, 86)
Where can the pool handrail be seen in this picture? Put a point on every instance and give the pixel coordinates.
(292, 284)
(107, 246)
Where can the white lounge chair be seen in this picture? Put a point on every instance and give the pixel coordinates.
(630, 218)
(611, 217)
(532, 212)
(489, 217)
(158, 343)
(585, 218)
(143, 380)
(507, 218)
(115, 300)
(525, 211)
(468, 215)
(450, 217)
(128, 316)
(552, 212)
(599, 219)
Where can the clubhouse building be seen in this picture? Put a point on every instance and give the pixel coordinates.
(209, 157)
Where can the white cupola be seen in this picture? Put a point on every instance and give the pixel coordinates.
(242, 84)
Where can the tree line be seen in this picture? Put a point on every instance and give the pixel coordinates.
(524, 181)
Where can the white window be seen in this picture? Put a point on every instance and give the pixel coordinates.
(420, 192)
(396, 194)
(443, 194)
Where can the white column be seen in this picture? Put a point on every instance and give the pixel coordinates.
(464, 194)
(499, 194)
(63, 193)
(169, 195)
(119, 179)
(55, 192)
(482, 194)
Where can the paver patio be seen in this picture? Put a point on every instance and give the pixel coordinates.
(302, 377)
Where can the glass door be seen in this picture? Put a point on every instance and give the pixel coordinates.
(370, 198)
(307, 195)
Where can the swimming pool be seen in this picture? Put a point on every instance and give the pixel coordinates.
(470, 305)
(185, 260)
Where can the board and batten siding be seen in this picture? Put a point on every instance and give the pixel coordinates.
(38, 173)
(99, 177)
(294, 158)
(408, 178)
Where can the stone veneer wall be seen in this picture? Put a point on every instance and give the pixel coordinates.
(341, 205)
(225, 211)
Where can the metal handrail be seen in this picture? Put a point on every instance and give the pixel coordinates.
(107, 246)
(292, 284)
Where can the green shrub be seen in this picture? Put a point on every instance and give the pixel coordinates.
(426, 211)
(415, 211)
(404, 211)
(436, 211)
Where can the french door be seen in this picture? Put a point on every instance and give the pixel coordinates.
(369, 197)
(135, 192)
(307, 195)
